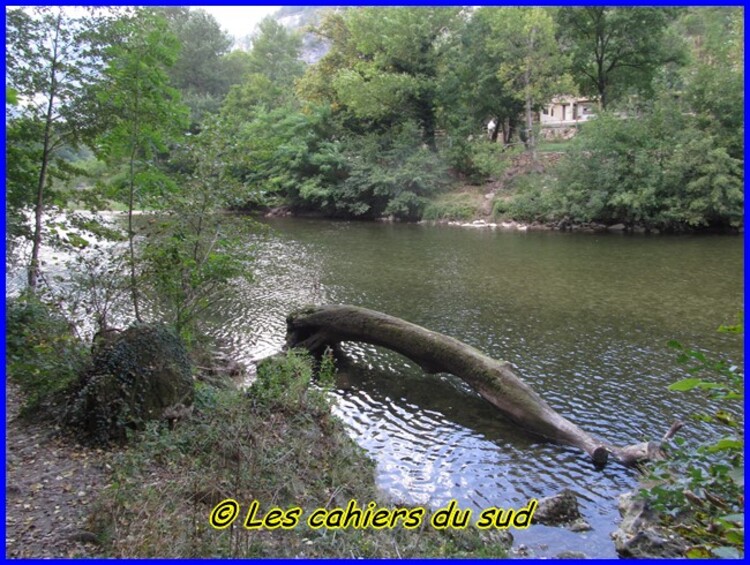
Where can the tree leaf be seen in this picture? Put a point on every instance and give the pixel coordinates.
(685, 385)
(725, 444)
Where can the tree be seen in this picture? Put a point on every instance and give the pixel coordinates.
(319, 328)
(531, 64)
(471, 91)
(383, 65)
(199, 72)
(143, 111)
(713, 80)
(271, 68)
(50, 62)
(615, 50)
(198, 253)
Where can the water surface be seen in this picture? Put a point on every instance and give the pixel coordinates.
(584, 319)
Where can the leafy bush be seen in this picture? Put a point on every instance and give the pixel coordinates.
(478, 160)
(700, 490)
(656, 168)
(489, 159)
(43, 355)
(289, 154)
(284, 382)
(534, 199)
(389, 174)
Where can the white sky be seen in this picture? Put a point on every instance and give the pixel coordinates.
(239, 20)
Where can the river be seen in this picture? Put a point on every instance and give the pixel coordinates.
(585, 319)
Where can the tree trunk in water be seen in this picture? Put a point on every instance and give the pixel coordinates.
(315, 328)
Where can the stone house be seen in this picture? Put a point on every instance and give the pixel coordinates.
(561, 116)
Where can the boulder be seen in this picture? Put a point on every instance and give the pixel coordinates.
(616, 227)
(559, 509)
(571, 555)
(137, 375)
(640, 535)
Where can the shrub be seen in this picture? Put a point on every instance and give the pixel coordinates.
(389, 174)
(284, 382)
(478, 160)
(699, 491)
(657, 169)
(534, 199)
(43, 354)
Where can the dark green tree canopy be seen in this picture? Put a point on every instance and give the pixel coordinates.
(615, 51)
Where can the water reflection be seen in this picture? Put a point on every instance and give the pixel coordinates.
(584, 320)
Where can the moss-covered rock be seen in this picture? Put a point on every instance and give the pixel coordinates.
(136, 376)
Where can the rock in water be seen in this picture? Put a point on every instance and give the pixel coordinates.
(559, 509)
(136, 376)
(640, 535)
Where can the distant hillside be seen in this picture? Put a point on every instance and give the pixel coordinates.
(301, 18)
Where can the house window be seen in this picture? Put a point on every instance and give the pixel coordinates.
(545, 111)
(552, 111)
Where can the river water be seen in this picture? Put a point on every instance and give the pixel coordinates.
(585, 319)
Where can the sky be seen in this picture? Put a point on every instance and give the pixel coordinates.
(239, 20)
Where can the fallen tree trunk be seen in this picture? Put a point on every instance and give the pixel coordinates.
(315, 328)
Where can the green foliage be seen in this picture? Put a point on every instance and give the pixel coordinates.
(714, 80)
(199, 72)
(283, 383)
(42, 354)
(535, 198)
(197, 253)
(52, 62)
(382, 67)
(142, 108)
(657, 169)
(700, 489)
(389, 174)
(269, 72)
(616, 51)
(144, 111)
(289, 154)
(452, 206)
(532, 66)
(470, 92)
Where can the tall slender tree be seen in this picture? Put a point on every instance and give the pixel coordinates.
(49, 61)
(531, 64)
(144, 111)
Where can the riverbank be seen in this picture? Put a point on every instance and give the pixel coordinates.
(279, 447)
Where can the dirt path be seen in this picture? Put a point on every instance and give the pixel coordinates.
(50, 485)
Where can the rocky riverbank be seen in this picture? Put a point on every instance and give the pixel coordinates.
(512, 225)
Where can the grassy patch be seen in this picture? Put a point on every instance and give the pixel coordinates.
(277, 444)
(463, 205)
